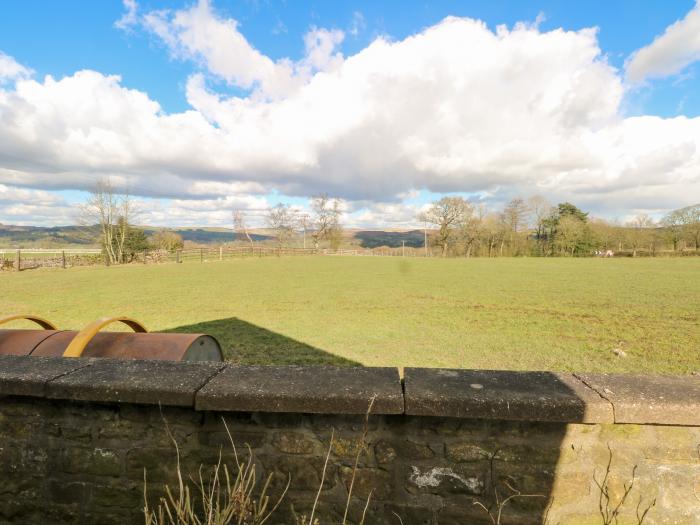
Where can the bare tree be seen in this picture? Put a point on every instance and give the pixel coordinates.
(689, 218)
(448, 215)
(540, 211)
(167, 240)
(471, 227)
(492, 231)
(281, 220)
(673, 227)
(640, 228)
(112, 212)
(326, 220)
(605, 234)
(571, 233)
(515, 216)
(240, 227)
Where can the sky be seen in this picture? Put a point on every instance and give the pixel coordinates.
(198, 108)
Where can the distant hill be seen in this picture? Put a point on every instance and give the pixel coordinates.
(393, 239)
(85, 236)
(40, 237)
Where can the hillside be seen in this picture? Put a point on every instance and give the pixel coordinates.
(42, 237)
(84, 236)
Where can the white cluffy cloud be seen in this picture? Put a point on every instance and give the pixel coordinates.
(456, 107)
(198, 34)
(10, 70)
(670, 52)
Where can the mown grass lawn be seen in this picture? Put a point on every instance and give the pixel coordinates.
(544, 314)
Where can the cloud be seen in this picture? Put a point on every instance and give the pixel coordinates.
(198, 33)
(10, 70)
(130, 16)
(201, 212)
(358, 23)
(22, 206)
(457, 107)
(670, 52)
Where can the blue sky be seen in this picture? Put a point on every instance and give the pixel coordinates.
(172, 62)
(59, 38)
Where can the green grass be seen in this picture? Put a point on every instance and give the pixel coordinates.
(547, 314)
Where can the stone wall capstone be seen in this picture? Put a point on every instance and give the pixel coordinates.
(77, 436)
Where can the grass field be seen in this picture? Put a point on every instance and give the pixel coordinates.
(549, 314)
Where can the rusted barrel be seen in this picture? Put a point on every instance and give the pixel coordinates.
(118, 345)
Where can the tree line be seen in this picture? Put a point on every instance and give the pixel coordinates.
(453, 226)
(535, 227)
(322, 224)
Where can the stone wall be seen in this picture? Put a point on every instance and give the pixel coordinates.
(77, 434)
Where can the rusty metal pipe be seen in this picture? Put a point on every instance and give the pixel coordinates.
(83, 338)
(118, 345)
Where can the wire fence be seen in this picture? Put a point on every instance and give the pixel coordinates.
(26, 259)
(227, 252)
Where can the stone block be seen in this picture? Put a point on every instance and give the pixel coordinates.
(293, 443)
(385, 452)
(303, 389)
(129, 381)
(305, 473)
(446, 479)
(414, 450)
(367, 480)
(91, 461)
(649, 399)
(466, 452)
(504, 395)
(27, 375)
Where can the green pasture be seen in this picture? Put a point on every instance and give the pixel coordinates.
(506, 313)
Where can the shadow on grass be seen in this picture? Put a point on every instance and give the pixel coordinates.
(249, 344)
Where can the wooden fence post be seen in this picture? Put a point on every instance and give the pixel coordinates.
(221, 253)
(201, 255)
(63, 259)
(19, 260)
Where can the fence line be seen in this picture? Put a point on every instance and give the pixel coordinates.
(48, 251)
(25, 259)
(260, 251)
(30, 258)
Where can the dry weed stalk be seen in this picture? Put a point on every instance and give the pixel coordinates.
(610, 511)
(221, 499)
(362, 446)
(495, 509)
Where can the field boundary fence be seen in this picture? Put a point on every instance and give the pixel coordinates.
(31, 258)
(228, 252)
(27, 259)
